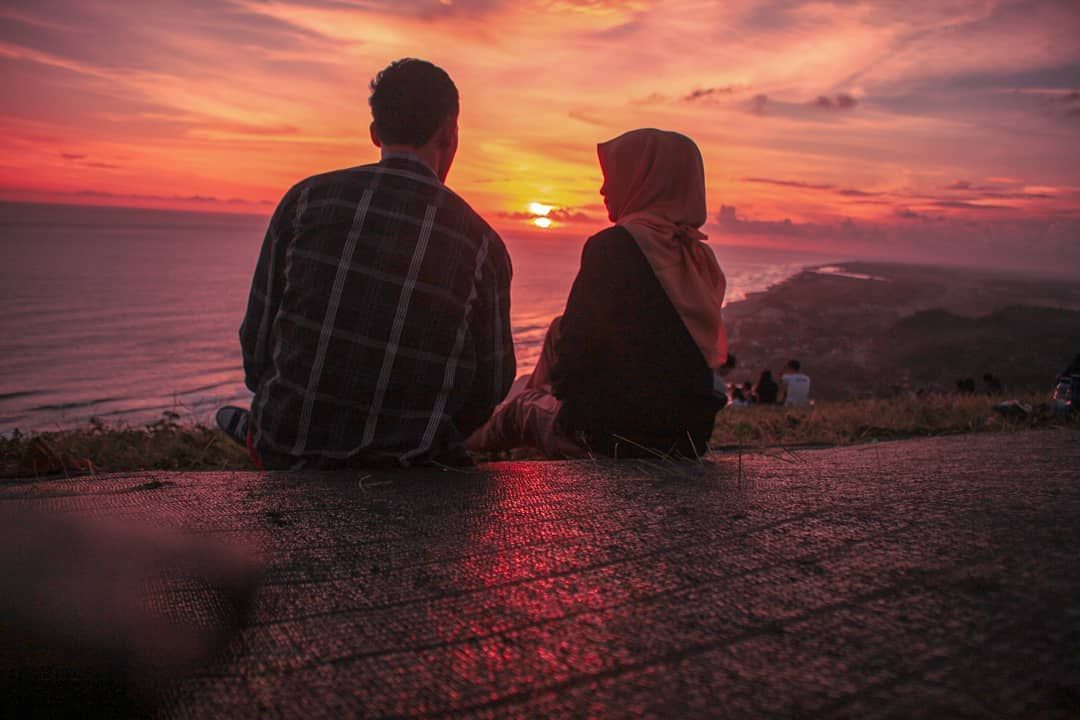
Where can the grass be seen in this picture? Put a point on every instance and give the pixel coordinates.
(170, 444)
(167, 444)
(857, 421)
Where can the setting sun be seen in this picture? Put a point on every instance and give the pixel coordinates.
(542, 222)
(539, 209)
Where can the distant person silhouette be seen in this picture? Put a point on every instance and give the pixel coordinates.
(377, 331)
(628, 368)
(1066, 395)
(720, 380)
(766, 390)
(795, 385)
(965, 386)
(748, 391)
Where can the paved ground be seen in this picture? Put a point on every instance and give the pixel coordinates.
(914, 579)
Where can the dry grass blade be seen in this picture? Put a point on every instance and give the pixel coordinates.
(651, 451)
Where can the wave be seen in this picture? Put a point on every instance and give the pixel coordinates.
(75, 405)
(212, 386)
(19, 394)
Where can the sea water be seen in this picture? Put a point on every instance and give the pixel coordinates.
(125, 314)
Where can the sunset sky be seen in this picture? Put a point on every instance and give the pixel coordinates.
(923, 128)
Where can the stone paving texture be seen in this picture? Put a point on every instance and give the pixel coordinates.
(933, 578)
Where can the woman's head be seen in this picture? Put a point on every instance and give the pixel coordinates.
(766, 376)
(656, 172)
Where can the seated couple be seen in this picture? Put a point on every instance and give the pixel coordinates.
(378, 332)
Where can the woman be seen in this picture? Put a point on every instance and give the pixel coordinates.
(767, 390)
(628, 368)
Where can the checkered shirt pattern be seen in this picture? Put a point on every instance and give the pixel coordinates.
(378, 324)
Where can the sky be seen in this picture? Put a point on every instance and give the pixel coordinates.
(923, 129)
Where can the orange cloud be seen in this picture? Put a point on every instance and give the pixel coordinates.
(808, 111)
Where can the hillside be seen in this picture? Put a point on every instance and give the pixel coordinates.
(868, 328)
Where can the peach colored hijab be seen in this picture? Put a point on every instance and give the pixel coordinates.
(654, 187)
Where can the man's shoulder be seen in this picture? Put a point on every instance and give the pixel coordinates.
(474, 225)
(407, 173)
(455, 217)
(407, 179)
(357, 174)
(325, 183)
(452, 199)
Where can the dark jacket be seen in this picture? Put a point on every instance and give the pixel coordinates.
(766, 391)
(629, 375)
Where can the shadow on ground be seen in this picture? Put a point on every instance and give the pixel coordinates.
(912, 579)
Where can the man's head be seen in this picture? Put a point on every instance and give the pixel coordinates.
(414, 106)
(792, 366)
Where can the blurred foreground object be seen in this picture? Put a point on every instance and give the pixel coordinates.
(100, 618)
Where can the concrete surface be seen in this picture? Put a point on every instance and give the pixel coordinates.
(935, 578)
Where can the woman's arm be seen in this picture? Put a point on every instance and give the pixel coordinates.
(586, 331)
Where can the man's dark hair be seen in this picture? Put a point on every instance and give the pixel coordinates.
(410, 100)
(794, 365)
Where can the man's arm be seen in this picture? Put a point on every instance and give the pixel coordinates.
(265, 297)
(493, 343)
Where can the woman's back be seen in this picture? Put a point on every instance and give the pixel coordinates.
(767, 390)
(628, 373)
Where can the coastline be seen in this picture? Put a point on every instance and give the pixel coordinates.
(876, 328)
(79, 350)
(838, 324)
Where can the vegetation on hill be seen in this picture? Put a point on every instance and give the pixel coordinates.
(873, 329)
(171, 445)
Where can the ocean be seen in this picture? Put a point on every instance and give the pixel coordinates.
(124, 314)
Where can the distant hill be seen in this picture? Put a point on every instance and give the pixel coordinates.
(867, 328)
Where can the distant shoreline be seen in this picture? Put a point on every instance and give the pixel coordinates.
(913, 328)
(989, 272)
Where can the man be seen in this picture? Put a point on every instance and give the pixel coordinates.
(795, 386)
(377, 329)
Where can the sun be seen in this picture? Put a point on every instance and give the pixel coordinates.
(541, 211)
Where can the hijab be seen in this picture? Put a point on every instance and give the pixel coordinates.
(654, 187)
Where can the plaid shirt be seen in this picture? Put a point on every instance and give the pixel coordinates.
(378, 325)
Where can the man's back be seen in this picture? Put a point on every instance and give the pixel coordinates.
(796, 388)
(377, 327)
